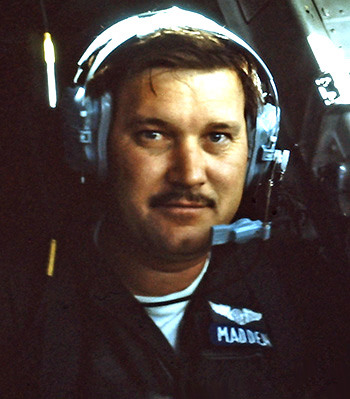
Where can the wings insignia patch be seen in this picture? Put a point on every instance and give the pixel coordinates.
(239, 316)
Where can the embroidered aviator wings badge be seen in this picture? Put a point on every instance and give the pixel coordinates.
(239, 316)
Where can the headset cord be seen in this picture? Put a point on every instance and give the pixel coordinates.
(270, 186)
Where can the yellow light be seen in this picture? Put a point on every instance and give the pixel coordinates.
(52, 258)
(49, 56)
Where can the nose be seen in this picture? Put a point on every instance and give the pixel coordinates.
(187, 166)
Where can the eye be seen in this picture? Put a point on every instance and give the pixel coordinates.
(151, 139)
(150, 135)
(216, 137)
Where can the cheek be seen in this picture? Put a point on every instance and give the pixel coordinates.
(231, 174)
(229, 180)
(134, 173)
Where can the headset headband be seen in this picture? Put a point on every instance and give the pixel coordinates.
(150, 22)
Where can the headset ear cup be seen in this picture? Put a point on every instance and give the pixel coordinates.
(72, 111)
(103, 130)
(262, 140)
(81, 120)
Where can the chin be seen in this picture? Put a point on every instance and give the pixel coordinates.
(187, 247)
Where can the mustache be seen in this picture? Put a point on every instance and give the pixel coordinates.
(163, 198)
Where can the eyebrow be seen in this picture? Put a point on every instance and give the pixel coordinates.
(135, 121)
(233, 126)
(139, 120)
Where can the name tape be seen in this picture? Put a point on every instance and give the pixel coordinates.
(227, 335)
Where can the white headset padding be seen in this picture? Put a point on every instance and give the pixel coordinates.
(268, 120)
(265, 135)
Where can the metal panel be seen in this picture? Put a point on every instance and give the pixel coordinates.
(309, 16)
(336, 18)
(251, 8)
(326, 17)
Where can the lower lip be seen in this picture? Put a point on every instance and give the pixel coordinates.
(185, 211)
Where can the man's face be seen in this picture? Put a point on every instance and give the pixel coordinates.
(178, 156)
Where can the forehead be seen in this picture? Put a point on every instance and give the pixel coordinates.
(162, 90)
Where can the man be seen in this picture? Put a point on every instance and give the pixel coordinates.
(154, 311)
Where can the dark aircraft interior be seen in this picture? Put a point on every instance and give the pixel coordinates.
(306, 45)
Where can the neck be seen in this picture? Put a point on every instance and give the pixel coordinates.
(146, 275)
(143, 279)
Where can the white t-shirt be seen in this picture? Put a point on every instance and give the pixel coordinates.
(167, 311)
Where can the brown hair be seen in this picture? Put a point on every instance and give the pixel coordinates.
(177, 49)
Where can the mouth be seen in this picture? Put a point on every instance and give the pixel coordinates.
(187, 212)
(182, 201)
(183, 205)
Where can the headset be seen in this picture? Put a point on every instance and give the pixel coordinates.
(88, 120)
